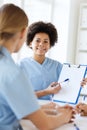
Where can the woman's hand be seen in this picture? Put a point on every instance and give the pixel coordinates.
(68, 113)
(53, 88)
(82, 109)
(84, 82)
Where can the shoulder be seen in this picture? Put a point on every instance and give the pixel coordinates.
(27, 59)
(10, 73)
(24, 61)
(52, 61)
(53, 64)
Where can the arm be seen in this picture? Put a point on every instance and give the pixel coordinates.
(41, 93)
(53, 88)
(44, 121)
(50, 108)
(50, 105)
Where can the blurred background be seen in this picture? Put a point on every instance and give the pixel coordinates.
(64, 14)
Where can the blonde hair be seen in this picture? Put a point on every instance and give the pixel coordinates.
(12, 20)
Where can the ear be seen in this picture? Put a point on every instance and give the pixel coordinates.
(30, 45)
(23, 32)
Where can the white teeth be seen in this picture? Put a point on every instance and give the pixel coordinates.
(40, 49)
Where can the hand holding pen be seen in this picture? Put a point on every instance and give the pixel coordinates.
(54, 87)
(57, 85)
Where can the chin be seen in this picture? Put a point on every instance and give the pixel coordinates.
(15, 51)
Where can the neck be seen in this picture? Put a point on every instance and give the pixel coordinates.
(9, 45)
(39, 59)
(8, 48)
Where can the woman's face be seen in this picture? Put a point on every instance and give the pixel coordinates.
(40, 44)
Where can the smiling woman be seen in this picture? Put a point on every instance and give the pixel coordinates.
(54, 11)
(42, 44)
(43, 72)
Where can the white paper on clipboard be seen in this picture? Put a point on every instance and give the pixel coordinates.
(71, 91)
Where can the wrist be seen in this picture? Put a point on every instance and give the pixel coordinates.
(45, 92)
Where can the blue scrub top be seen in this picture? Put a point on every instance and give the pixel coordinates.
(41, 75)
(17, 99)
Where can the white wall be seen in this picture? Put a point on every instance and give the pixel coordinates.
(73, 29)
(60, 18)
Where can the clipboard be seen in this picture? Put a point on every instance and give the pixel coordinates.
(70, 91)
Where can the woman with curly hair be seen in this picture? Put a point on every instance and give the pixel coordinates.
(43, 72)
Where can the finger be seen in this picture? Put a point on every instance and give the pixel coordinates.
(71, 121)
(82, 107)
(57, 88)
(56, 83)
(53, 84)
(68, 106)
(83, 113)
(80, 104)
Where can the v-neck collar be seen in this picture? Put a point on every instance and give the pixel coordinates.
(38, 62)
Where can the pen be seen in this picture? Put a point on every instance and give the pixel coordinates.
(64, 80)
(51, 97)
(84, 98)
(76, 127)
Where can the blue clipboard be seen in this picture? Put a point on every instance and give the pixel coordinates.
(70, 91)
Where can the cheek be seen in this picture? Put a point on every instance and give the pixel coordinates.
(33, 46)
(48, 47)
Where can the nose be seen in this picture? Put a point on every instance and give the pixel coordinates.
(41, 43)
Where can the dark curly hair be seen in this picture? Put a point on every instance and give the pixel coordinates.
(43, 27)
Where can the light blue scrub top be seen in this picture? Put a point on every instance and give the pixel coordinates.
(41, 75)
(17, 98)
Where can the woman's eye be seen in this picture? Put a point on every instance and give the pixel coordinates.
(45, 41)
(38, 41)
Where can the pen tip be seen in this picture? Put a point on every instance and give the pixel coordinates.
(67, 79)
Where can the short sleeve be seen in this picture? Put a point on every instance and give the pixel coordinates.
(59, 68)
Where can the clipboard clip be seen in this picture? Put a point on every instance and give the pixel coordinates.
(72, 65)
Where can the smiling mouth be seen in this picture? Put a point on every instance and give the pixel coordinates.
(40, 49)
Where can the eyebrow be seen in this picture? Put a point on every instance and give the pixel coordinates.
(44, 39)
